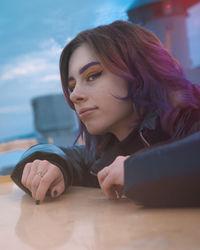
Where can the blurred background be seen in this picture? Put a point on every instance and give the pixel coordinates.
(32, 35)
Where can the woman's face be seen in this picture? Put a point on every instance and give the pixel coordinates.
(93, 93)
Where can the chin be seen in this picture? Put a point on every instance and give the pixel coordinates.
(95, 131)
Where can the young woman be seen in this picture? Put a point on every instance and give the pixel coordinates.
(139, 117)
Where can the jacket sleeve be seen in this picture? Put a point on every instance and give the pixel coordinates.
(74, 162)
(165, 176)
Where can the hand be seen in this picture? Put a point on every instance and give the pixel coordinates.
(111, 178)
(40, 176)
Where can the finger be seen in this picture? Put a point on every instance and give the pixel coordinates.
(33, 170)
(102, 175)
(57, 189)
(119, 191)
(42, 168)
(35, 185)
(25, 173)
(43, 187)
(47, 180)
(108, 187)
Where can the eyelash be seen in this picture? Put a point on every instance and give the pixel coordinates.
(88, 78)
(94, 76)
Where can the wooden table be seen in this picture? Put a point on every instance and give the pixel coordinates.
(85, 219)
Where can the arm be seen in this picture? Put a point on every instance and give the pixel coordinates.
(74, 163)
(165, 176)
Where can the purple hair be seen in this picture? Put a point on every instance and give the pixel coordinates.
(135, 54)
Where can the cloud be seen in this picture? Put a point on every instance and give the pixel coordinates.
(28, 76)
(51, 77)
(25, 68)
(14, 109)
(68, 39)
(37, 65)
(24, 78)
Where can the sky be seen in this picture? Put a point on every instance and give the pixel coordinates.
(32, 35)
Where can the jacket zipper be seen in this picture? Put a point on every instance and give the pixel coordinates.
(93, 173)
(144, 140)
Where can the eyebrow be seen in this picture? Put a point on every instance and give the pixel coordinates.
(87, 66)
(84, 68)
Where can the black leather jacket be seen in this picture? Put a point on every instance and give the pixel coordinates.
(160, 176)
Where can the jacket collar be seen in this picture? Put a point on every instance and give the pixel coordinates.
(150, 120)
(151, 130)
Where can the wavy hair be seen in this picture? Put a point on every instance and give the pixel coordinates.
(135, 54)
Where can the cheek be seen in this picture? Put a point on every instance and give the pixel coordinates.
(119, 87)
(124, 109)
(118, 106)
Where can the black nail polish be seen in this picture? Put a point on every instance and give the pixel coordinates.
(37, 202)
(55, 193)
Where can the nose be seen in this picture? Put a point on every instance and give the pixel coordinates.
(77, 96)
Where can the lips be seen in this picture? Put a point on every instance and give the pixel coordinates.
(84, 112)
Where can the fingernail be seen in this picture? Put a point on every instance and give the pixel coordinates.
(37, 202)
(55, 193)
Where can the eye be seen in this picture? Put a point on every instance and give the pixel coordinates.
(71, 86)
(93, 76)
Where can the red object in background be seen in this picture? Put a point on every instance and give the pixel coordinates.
(168, 6)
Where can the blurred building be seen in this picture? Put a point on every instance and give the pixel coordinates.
(54, 121)
(167, 19)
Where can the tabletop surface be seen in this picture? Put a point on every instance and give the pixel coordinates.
(85, 219)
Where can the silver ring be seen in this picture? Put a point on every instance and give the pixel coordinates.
(40, 173)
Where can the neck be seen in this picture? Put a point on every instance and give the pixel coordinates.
(125, 128)
(123, 134)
